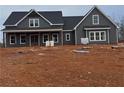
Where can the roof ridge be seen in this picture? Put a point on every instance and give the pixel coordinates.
(71, 16)
(49, 11)
(37, 11)
(19, 11)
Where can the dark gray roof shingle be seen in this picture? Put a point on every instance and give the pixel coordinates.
(14, 18)
(55, 17)
(71, 21)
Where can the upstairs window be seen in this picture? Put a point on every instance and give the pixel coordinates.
(95, 19)
(33, 22)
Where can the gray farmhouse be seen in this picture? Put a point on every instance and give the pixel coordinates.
(33, 27)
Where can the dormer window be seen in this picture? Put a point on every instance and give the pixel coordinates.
(95, 19)
(33, 22)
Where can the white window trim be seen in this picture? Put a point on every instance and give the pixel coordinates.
(21, 38)
(93, 19)
(10, 39)
(95, 35)
(57, 37)
(33, 22)
(67, 34)
(43, 37)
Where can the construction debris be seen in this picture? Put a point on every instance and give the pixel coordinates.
(118, 47)
(41, 54)
(80, 51)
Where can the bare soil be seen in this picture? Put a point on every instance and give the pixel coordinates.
(60, 66)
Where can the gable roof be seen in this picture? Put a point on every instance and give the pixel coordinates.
(52, 17)
(101, 12)
(55, 17)
(71, 21)
(14, 18)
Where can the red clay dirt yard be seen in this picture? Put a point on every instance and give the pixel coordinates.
(60, 66)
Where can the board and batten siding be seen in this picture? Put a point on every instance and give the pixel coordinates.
(72, 38)
(25, 23)
(103, 21)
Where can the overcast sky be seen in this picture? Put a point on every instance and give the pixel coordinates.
(115, 12)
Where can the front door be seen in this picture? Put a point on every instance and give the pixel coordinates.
(34, 40)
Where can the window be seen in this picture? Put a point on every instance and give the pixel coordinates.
(95, 19)
(67, 36)
(97, 36)
(33, 22)
(22, 39)
(102, 36)
(45, 38)
(36, 23)
(91, 36)
(12, 39)
(55, 38)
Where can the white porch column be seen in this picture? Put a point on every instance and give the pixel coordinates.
(108, 36)
(62, 37)
(75, 37)
(4, 38)
(86, 34)
(29, 40)
(117, 34)
(39, 39)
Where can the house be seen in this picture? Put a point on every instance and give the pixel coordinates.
(36, 27)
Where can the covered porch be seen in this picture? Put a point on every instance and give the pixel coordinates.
(32, 37)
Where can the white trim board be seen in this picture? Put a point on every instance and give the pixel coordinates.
(39, 30)
(90, 12)
(67, 30)
(97, 28)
